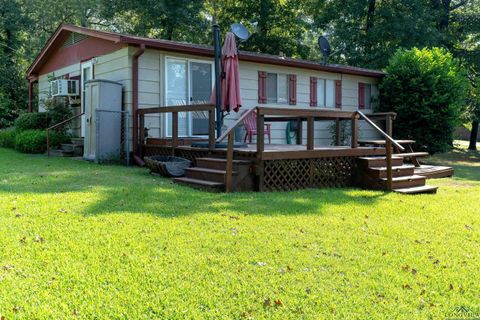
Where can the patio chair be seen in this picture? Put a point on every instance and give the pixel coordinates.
(250, 123)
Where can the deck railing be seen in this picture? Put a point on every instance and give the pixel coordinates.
(58, 125)
(388, 146)
(174, 110)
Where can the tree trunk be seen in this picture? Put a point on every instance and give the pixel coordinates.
(370, 14)
(473, 136)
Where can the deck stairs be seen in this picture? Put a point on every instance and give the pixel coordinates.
(209, 174)
(72, 149)
(372, 171)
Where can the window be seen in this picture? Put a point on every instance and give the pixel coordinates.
(367, 95)
(326, 93)
(277, 88)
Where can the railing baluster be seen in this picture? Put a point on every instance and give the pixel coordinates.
(355, 131)
(310, 132)
(388, 149)
(174, 131)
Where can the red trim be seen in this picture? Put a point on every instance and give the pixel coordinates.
(292, 88)
(262, 87)
(63, 30)
(361, 95)
(313, 92)
(338, 94)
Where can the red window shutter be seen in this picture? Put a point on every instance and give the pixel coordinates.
(313, 91)
(292, 88)
(338, 93)
(361, 96)
(262, 87)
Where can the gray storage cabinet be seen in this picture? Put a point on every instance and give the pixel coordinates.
(103, 120)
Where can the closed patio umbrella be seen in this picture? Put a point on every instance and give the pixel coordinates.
(230, 78)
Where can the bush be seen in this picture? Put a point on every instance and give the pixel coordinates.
(7, 138)
(32, 121)
(8, 111)
(58, 110)
(426, 88)
(35, 141)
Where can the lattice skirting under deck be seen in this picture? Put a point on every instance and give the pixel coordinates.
(292, 174)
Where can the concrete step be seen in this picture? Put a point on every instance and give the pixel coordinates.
(60, 153)
(78, 141)
(200, 184)
(417, 190)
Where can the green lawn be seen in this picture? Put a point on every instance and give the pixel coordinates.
(84, 241)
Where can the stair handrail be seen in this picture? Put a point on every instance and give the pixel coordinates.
(235, 124)
(388, 148)
(56, 126)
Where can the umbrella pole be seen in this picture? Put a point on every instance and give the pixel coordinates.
(216, 49)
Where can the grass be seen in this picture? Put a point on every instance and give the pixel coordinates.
(83, 241)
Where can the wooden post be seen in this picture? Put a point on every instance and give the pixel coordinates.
(389, 125)
(388, 149)
(211, 129)
(355, 131)
(300, 131)
(142, 133)
(260, 149)
(174, 131)
(337, 132)
(310, 132)
(229, 164)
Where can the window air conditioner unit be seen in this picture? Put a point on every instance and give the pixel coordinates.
(65, 88)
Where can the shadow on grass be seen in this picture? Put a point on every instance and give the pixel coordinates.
(109, 189)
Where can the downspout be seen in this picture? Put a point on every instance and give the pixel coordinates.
(136, 154)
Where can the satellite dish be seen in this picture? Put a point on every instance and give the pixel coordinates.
(324, 46)
(240, 31)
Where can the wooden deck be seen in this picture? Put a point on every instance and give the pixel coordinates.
(434, 172)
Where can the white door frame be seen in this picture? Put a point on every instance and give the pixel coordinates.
(167, 119)
(84, 65)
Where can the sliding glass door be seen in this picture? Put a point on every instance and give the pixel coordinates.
(188, 82)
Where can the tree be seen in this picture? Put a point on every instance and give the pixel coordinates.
(427, 90)
(277, 27)
(473, 111)
(367, 33)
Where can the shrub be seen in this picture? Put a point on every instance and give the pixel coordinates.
(35, 141)
(7, 138)
(58, 110)
(426, 88)
(32, 121)
(8, 111)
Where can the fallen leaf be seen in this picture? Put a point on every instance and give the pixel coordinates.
(62, 210)
(451, 286)
(278, 303)
(307, 290)
(261, 264)
(23, 240)
(468, 227)
(406, 286)
(414, 272)
(406, 267)
(16, 309)
(18, 215)
(38, 239)
(436, 262)
(8, 267)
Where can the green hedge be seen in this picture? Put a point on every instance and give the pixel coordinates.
(35, 141)
(32, 121)
(426, 88)
(7, 138)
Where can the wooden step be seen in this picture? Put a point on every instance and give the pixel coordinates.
(60, 153)
(434, 172)
(77, 141)
(220, 163)
(412, 154)
(397, 171)
(200, 184)
(369, 162)
(405, 182)
(208, 174)
(383, 142)
(417, 190)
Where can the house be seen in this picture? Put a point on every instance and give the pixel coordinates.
(156, 74)
(161, 73)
